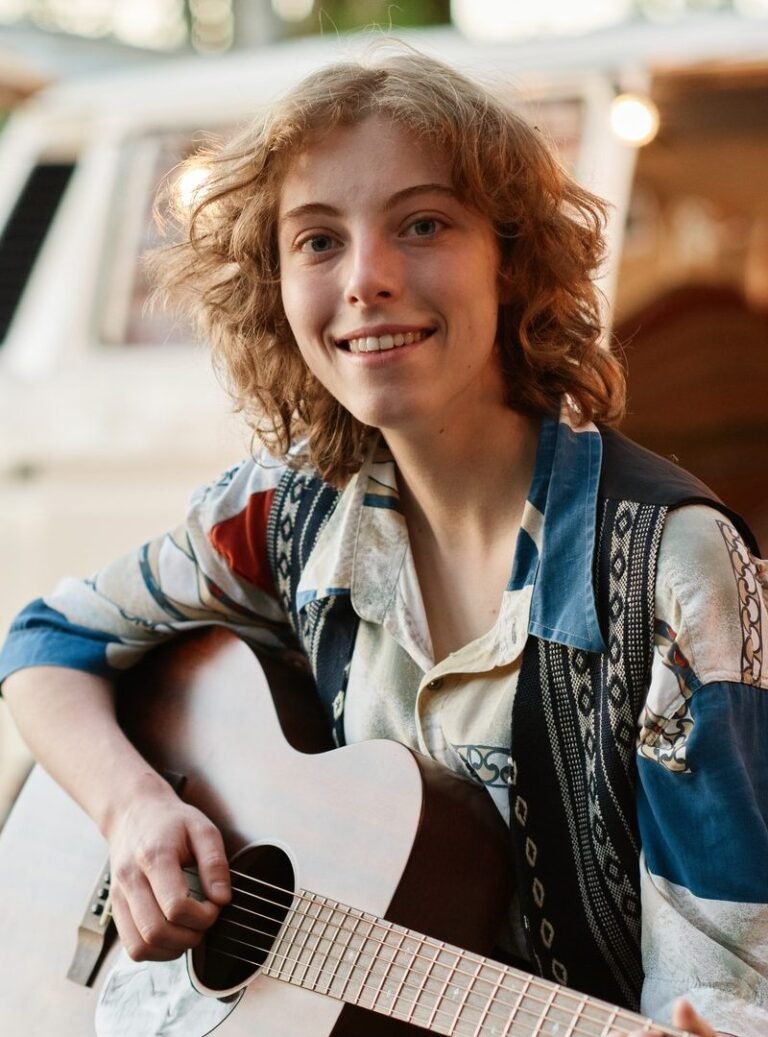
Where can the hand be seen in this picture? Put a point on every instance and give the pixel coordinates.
(683, 1018)
(152, 837)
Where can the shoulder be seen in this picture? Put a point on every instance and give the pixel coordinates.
(711, 593)
(633, 473)
(248, 484)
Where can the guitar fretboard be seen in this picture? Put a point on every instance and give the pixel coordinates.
(358, 958)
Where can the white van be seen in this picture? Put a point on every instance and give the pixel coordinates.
(109, 415)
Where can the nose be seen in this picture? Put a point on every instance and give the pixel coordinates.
(374, 270)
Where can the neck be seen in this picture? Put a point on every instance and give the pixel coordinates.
(466, 481)
(363, 960)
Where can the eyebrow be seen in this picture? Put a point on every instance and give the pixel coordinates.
(321, 209)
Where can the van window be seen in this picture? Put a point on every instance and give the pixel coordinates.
(24, 232)
(125, 318)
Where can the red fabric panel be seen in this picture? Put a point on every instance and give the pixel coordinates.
(242, 541)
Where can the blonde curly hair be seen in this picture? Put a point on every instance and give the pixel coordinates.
(226, 269)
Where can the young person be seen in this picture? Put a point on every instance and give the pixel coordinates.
(397, 279)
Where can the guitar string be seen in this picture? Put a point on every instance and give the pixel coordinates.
(519, 1006)
(495, 967)
(518, 1009)
(509, 1024)
(415, 956)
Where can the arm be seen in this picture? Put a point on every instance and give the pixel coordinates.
(68, 719)
(703, 782)
(60, 657)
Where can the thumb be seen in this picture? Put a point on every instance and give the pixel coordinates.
(212, 867)
(685, 1017)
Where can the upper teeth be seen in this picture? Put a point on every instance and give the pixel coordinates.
(373, 343)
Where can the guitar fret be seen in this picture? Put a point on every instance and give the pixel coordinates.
(611, 1020)
(346, 956)
(357, 998)
(280, 953)
(488, 1006)
(304, 935)
(449, 976)
(388, 966)
(415, 1004)
(575, 1019)
(317, 950)
(463, 1003)
(543, 1018)
(516, 1008)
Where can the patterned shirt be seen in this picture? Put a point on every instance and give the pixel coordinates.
(702, 749)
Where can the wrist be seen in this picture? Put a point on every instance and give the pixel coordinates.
(144, 786)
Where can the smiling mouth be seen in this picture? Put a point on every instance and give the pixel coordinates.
(380, 343)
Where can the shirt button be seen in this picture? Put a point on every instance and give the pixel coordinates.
(436, 683)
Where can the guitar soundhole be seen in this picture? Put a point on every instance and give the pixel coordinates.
(237, 945)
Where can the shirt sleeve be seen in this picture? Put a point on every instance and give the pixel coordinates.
(212, 569)
(703, 780)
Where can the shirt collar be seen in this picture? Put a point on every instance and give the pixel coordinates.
(364, 545)
(564, 493)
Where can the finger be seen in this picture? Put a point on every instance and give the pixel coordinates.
(135, 944)
(170, 894)
(213, 868)
(685, 1017)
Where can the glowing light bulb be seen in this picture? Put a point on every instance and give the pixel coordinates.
(634, 119)
(293, 10)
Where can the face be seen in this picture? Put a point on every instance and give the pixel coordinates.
(389, 281)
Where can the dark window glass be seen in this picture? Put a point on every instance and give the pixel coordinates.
(23, 235)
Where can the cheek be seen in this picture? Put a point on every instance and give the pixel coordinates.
(304, 310)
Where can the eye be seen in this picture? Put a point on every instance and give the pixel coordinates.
(316, 244)
(424, 227)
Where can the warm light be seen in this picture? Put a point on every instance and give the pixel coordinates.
(634, 119)
(293, 10)
(189, 187)
(510, 19)
(150, 23)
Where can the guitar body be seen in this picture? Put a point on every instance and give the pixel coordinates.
(371, 825)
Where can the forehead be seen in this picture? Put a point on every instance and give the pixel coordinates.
(373, 158)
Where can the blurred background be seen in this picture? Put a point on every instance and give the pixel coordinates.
(109, 413)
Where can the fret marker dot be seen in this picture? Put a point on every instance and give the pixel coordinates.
(456, 992)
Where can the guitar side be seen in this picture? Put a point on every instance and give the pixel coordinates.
(370, 825)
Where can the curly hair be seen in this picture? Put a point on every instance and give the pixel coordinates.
(226, 269)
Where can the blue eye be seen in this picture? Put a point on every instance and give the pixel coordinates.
(318, 243)
(423, 228)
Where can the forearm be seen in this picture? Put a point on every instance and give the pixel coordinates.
(67, 718)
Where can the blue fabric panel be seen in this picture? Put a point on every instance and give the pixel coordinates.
(563, 606)
(42, 636)
(372, 500)
(542, 471)
(303, 599)
(707, 828)
(526, 562)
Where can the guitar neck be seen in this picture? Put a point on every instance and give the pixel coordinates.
(362, 960)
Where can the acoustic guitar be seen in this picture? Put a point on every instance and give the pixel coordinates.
(368, 883)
